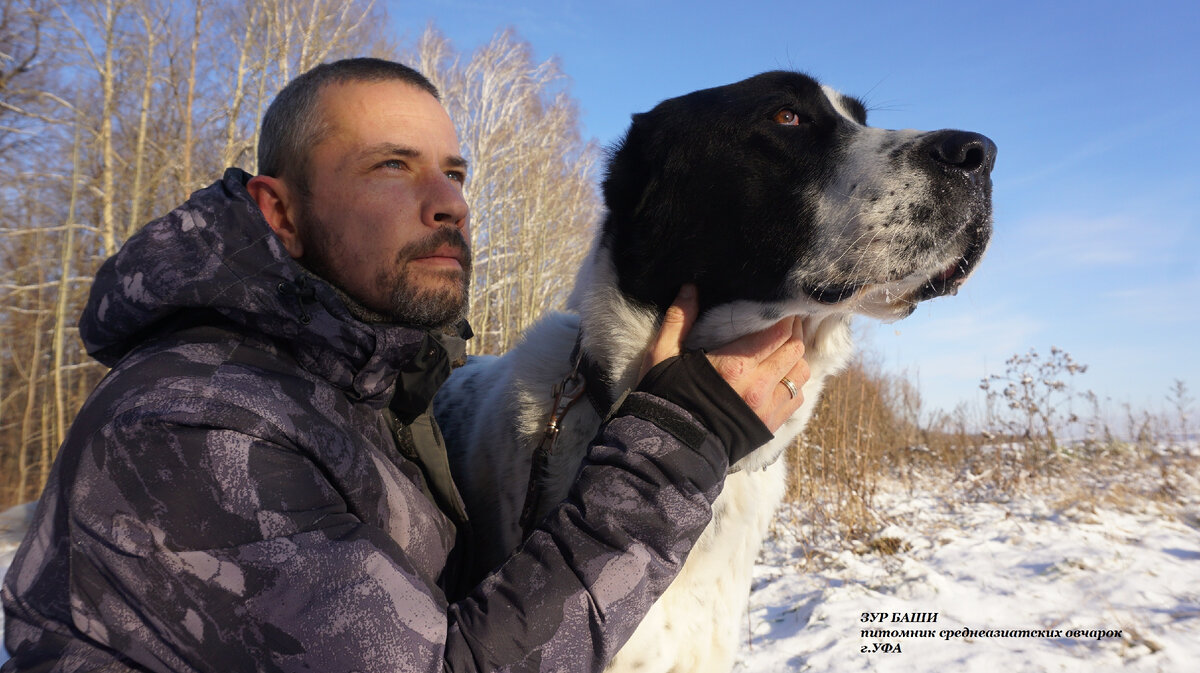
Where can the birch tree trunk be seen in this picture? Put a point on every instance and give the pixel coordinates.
(532, 184)
(61, 315)
(169, 94)
(166, 93)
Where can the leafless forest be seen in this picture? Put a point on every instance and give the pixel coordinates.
(113, 111)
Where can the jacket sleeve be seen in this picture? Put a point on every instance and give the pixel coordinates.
(263, 570)
(576, 589)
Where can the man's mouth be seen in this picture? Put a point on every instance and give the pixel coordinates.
(446, 249)
(446, 255)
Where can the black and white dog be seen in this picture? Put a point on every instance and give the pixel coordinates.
(775, 198)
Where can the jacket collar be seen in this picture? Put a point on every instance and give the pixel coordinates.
(217, 252)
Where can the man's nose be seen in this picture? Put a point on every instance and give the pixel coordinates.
(445, 205)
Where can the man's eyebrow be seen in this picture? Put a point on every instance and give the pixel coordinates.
(403, 151)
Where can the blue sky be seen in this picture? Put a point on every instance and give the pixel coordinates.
(1094, 106)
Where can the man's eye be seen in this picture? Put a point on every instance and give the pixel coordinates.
(394, 164)
(457, 176)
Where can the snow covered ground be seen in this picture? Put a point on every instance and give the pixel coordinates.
(1023, 574)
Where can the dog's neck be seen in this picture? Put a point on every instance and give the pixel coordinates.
(616, 332)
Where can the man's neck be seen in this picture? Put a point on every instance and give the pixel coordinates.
(356, 308)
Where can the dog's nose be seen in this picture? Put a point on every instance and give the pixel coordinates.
(963, 150)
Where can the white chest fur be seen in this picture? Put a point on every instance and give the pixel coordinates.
(698, 623)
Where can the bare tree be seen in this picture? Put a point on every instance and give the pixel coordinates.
(61, 313)
(111, 111)
(187, 114)
(532, 184)
(24, 43)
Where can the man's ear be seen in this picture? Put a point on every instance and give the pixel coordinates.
(274, 199)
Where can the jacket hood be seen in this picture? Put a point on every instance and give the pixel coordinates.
(216, 252)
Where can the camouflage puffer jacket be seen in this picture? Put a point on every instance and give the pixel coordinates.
(232, 498)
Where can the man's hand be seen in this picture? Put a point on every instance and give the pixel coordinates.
(754, 365)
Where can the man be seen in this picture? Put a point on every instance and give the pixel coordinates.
(257, 484)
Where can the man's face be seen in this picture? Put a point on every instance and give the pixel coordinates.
(386, 220)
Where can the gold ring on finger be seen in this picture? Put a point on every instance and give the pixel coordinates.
(791, 387)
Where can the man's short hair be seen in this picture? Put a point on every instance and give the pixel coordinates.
(293, 124)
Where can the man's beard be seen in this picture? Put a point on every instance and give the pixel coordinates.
(408, 303)
(429, 308)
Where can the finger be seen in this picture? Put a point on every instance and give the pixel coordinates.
(785, 404)
(738, 362)
(761, 383)
(782, 360)
(799, 374)
(757, 346)
(788, 363)
(677, 322)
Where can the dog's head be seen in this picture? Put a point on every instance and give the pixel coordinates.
(774, 191)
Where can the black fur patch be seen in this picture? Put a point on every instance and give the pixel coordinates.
(708, 188)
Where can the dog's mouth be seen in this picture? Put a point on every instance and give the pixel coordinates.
(952, 277)
(907, 292)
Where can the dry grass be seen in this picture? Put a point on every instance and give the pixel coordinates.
(835, 465)
(868, 428)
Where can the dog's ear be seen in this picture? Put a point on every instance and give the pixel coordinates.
(645, 228)
(630, 171)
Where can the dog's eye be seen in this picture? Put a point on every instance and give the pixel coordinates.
(787, 117)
